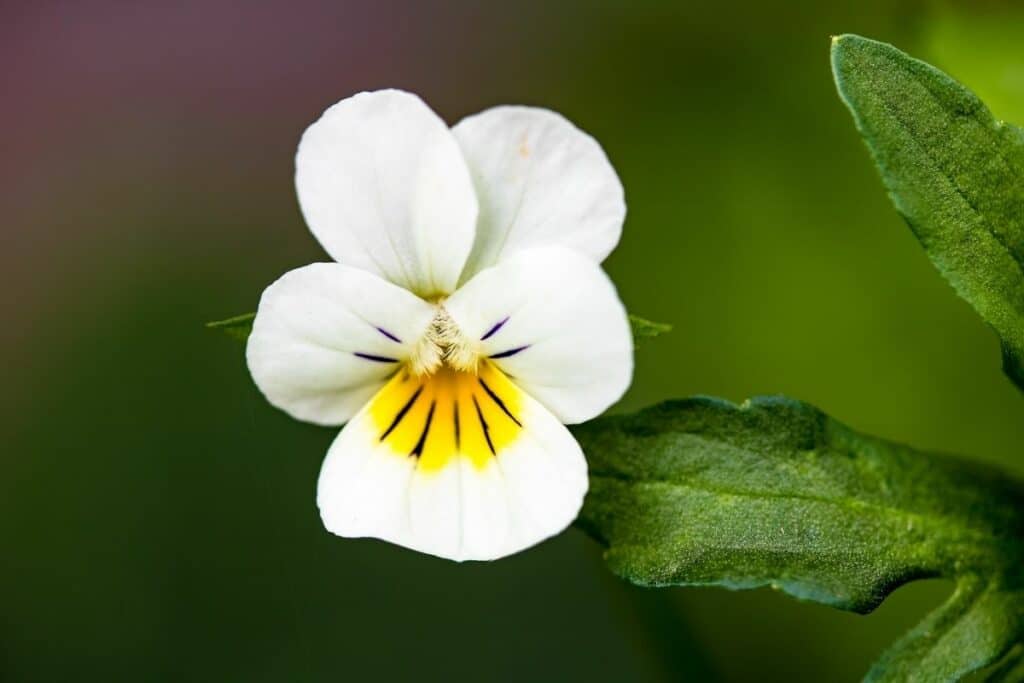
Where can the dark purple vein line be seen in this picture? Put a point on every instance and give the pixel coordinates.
(494, 329)
(510, 352)
(375, 359)
(388, 335)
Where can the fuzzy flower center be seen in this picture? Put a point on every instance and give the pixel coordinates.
(444, 345)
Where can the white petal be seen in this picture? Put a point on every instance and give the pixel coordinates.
(503, 477)
(327, 336)
(384, 187)
(552, 320)
(540, 181)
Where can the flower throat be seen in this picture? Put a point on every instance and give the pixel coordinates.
(444, 344)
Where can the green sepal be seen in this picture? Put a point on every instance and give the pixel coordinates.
(238, 327)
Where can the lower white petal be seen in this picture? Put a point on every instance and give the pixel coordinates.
(457, 465)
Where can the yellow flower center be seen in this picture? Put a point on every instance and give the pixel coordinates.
(450, 412)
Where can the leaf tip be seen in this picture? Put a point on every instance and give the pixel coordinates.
(846, 46)
(839, 39)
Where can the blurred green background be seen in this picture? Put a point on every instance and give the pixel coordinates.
(158, 517)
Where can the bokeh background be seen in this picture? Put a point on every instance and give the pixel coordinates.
(157, 517)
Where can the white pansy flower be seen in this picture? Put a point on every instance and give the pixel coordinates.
(466, 320)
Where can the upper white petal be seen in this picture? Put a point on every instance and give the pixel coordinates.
(309, 328)
(552, 320)
(384, 187)
(540, 181)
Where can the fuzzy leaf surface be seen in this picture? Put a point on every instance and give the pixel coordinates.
(776, 493)
(954, 172)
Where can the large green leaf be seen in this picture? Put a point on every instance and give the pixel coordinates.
(955, 173)
(775, 493)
